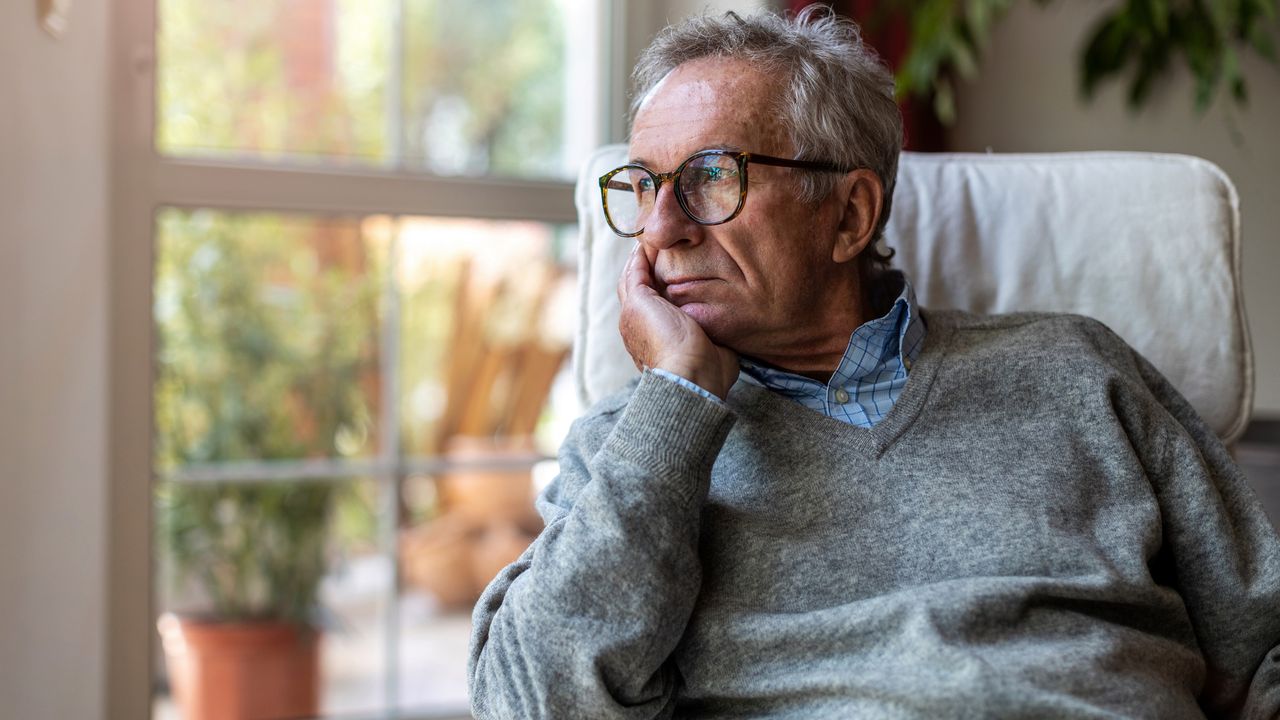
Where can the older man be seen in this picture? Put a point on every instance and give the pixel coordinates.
(820, 500)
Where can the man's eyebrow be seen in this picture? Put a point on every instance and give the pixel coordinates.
(715, 146)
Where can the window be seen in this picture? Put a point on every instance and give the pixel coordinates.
(357, 218)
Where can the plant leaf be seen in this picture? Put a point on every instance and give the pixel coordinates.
(1234, 78)
(979, 15)
(1106, 52)
(944, 102)
(1261, 41)
(963, 57)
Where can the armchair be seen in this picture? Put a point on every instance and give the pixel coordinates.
(1147, 243)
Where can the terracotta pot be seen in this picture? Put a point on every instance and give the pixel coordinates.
(242, 670)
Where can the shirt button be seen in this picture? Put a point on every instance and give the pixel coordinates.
(842, 397)
(906, 363)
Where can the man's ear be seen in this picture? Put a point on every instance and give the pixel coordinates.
(859, 214)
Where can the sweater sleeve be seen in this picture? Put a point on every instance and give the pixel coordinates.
(1224, 552)
(583, 624)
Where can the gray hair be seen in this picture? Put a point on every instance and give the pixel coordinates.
(838, 100)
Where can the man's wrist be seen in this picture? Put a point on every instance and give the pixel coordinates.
(686, 383)
(700, 378)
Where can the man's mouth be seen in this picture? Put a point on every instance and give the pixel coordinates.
(683, 288)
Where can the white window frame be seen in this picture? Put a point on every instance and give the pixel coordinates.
(143, 181)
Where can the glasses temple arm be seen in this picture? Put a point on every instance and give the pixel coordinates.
(801, 164)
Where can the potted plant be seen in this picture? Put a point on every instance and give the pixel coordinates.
(258, 553)
(267, 352)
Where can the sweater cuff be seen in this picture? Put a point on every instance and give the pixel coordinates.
(686, 383)
(672, 431)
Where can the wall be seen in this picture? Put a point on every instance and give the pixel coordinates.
(53, 363)
(1025, 100)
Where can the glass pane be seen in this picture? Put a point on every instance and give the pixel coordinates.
(267, 336)
(472, 109)
(451, 88)
(487, 318)
(469, 524)
(273, 599)
(435, 618)
(267, 78)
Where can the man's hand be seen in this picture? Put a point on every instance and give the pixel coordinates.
(659, 335)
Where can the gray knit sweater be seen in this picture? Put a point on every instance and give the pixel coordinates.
(1041, 528)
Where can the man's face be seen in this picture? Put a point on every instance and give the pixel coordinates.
(754, 282)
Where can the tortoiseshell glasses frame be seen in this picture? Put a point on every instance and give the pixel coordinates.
(656, 180)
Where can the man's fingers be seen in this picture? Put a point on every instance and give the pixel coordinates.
(635, 274)
(627, 279)
(637, 271)
(643, 266)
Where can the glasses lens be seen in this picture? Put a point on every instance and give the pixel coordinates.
(711, 186)
(628, 199)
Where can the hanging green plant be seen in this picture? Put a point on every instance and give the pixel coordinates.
(1144, 38)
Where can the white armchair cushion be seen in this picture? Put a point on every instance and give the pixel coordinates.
(1147, 243)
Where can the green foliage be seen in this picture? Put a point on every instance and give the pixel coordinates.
(946, 36)
(1149, 34)
(1146, 36)
(257, 551)
(266, 332)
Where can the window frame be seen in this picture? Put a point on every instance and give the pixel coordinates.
(143, 182)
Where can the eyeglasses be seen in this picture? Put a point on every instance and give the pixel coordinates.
(711, 187)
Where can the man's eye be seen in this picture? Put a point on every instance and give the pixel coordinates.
(644, 185)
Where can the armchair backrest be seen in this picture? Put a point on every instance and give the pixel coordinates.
(1147, 243)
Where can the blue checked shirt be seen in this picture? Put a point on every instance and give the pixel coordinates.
(870, 376)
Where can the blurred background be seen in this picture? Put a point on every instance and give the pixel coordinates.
(287, 290)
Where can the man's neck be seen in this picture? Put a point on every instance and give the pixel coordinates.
(817, 353)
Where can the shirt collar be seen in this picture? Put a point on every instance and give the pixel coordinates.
(894, 338)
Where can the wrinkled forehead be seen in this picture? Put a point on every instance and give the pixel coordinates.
(710, 102)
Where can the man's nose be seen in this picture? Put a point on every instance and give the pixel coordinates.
(668, 224)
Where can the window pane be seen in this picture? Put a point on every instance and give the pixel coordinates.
(267, 78)
(486, 92)
(451, 88)
(487, 321)
(487, 318)
(435, 618)
(267, 334)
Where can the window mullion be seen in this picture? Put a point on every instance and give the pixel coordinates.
(395, 87)
(391, 453)
(390, 360)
